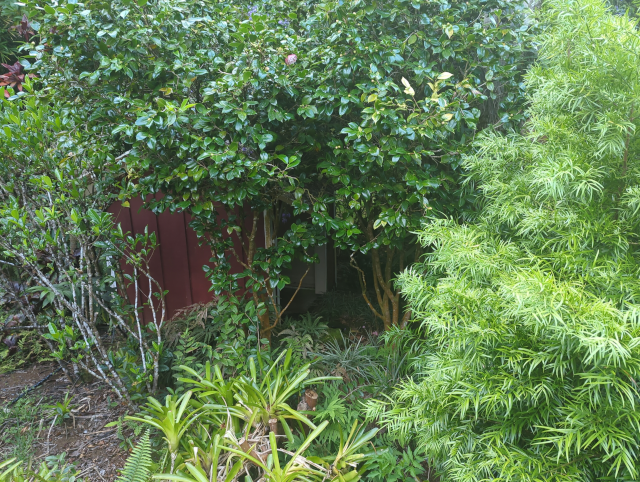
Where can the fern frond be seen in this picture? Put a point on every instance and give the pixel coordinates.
(138, 465)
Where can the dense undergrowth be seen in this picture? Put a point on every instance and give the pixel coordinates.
(228, 409)
(307, 390)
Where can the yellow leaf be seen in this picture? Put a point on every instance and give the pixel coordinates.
(408, 89)
(445, 75)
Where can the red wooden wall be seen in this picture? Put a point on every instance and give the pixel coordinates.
(178, 261)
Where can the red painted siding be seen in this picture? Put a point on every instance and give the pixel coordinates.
(174, 247)
(177, 264)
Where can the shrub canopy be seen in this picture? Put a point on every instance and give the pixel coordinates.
(348, 116)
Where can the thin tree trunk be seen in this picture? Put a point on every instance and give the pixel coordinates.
(258, 298)
(382, 263)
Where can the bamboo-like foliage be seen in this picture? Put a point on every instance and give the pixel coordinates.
(528, 346)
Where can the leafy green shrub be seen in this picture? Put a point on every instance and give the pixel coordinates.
(59, 245)
(527, 339)
(9, 40)
(303, 335)
(337, 408)
(223, 332)
(307, 325)
(392, 465)
(234, 109)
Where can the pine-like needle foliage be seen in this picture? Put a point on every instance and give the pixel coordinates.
(138, 465)
(529, 342)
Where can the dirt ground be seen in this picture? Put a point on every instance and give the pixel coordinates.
(94, 448)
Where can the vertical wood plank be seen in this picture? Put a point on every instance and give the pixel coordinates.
(142, 218)
(198, 256)
(175, 261)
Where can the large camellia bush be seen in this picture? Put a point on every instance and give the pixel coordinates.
(527, 343)
(341, 120)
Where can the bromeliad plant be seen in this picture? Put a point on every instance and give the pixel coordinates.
(172, 419)
(229, 429)
(266, 392)
(262, 397)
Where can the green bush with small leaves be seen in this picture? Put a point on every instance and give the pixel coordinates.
(234, 109)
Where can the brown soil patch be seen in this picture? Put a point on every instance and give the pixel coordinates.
(93, 448)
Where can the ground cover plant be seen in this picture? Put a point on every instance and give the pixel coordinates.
(527, 338)
(52, 470)
(230, 427)
(62, 417)
(337, 402)
(19, 428)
